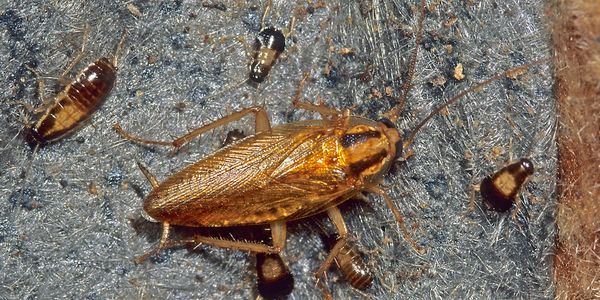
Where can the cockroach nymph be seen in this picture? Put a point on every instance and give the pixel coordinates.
(350, 263)
(76, 103)
(498, 191)
(268, 45)
(274, 277)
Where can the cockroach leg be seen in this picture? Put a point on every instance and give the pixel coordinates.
(163, 244)
(338, 221)
(166, 228)
(390, 203)
(117, 54)
(325, 111)
(41, 91)
(262, 123)
(86, 35)
(278, 236)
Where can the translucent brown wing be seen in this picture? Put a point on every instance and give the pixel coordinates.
(291, 172)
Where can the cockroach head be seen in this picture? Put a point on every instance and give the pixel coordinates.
(393, 130)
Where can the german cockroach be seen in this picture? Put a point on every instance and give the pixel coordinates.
(268, 45)
(68, 111)
(350, 263)
(284, 173)
(498, 191)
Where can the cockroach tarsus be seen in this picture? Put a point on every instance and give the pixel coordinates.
(68, 111)
(499, 190)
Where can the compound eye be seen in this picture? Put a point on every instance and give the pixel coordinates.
(387, 123)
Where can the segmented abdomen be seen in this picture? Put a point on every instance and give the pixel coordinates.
(353, 267)
(76, 103)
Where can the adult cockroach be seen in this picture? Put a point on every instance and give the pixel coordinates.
(284, 173)
(498, 191)
(279, 174)
(68, 111)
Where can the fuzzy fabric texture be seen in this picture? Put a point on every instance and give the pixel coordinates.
(66, 212)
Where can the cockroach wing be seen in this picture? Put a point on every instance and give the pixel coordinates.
(291, 172)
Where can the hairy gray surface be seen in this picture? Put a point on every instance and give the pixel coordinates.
(58, 239)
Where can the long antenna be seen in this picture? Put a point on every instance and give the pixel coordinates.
(393, 113)
(478, 86)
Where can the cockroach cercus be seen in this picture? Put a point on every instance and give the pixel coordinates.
(63, 114)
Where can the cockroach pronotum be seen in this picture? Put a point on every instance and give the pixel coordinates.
(284, 173)
(498, 191)
(76, 103)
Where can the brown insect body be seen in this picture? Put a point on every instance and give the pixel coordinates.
(274, 277)
(269, 44)
(499, 190)
(350, 263)
(290, 172)
(75, 104)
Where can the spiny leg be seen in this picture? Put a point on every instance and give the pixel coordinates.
(325, 111)
(278, 236)
(41, 90)
(399, 219)
(262, 123)
(117, 54)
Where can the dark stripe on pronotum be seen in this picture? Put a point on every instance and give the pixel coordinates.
(353, 138)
